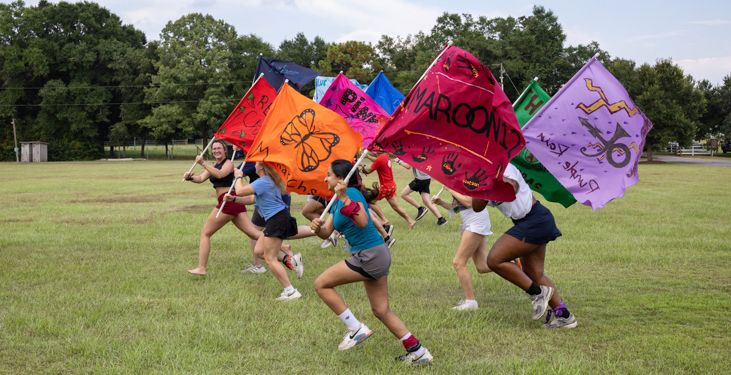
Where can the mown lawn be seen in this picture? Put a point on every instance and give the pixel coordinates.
(93, 280)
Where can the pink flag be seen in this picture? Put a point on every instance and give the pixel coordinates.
(362, 113)
(458, 127)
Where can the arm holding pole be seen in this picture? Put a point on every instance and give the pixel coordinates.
(202, 153)
(347, 178)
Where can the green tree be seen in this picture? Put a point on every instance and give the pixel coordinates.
(724, 107)
(357, 60)
(672, 102)
(302, 52)
(65, 50)
(194, 78)
(133, 69)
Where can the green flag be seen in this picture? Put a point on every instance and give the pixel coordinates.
(538, 178)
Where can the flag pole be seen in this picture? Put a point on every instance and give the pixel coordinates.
(223, 202)
(523, 93)
(202, 153)
(347, 178)
(214, 138)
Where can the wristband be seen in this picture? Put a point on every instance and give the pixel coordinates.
(234, 199)
(189, 178)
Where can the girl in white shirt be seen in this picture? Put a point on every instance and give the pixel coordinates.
(534, 227)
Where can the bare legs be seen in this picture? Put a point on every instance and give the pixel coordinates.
(379, 212)
(268, 248)
(400, 210)
(532, 257)
(473, 246)
(377, 291)
(406, 195)
(211, 226)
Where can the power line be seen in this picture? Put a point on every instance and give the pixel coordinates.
(89, 104)
(123, 86)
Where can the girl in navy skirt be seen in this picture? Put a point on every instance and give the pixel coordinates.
(534, 227)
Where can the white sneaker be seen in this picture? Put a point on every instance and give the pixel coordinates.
(288, 297)
(254, 269)
(465, 305)
(540, 301)
(413, 359)
(355, 337)
(299, 266)
(332, 240)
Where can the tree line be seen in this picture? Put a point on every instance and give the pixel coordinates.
(74, 75)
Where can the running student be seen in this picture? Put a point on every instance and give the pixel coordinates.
(387, 190)
(279, 224)
(369, 262)
(257, 220)
(221, 175)
(534, 227)
(472, 245)
(421, 185)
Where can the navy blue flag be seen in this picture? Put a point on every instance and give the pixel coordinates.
(384, 94)
(276, 71)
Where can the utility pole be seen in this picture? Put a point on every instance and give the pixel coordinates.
(15, 137)
(502, 86)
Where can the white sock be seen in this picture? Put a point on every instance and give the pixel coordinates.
(289, 289)
(471, 301)
(419, 351)
(349, 319)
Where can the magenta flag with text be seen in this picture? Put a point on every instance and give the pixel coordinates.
(590, 136)
(457, 126)
(362, 113)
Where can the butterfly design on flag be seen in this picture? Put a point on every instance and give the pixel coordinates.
(312, 147)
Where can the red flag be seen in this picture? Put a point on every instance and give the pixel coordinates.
(458, 127)
(301, 138)
(243, 124)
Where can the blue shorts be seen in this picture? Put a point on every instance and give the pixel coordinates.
(537, 228)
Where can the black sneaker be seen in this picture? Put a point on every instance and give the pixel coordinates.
(388, 228)
(390, 242)
(421, 212)
(441, 221)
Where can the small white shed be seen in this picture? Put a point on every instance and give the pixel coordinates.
(33, 151)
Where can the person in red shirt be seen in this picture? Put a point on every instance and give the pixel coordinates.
(387, 190)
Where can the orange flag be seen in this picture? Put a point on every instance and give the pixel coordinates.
(300, 139)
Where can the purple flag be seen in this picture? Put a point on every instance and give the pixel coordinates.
(590, 136)
(362, 113)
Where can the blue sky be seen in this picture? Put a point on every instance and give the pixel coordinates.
(696, 35)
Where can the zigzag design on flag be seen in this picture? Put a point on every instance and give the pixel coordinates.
(604, 102)
(621, 152)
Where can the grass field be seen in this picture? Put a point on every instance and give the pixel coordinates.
(93, 280)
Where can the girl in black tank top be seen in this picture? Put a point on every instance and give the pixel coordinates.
(222, 176)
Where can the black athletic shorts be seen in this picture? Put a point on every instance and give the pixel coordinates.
(422, 186)
(258, 219)
(281, 225)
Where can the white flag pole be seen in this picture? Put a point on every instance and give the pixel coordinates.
(440, 191)
(202, 153)
(523, 93)
(223, 202)
(347, 178)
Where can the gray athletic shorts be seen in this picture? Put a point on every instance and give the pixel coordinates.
(372, 263)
